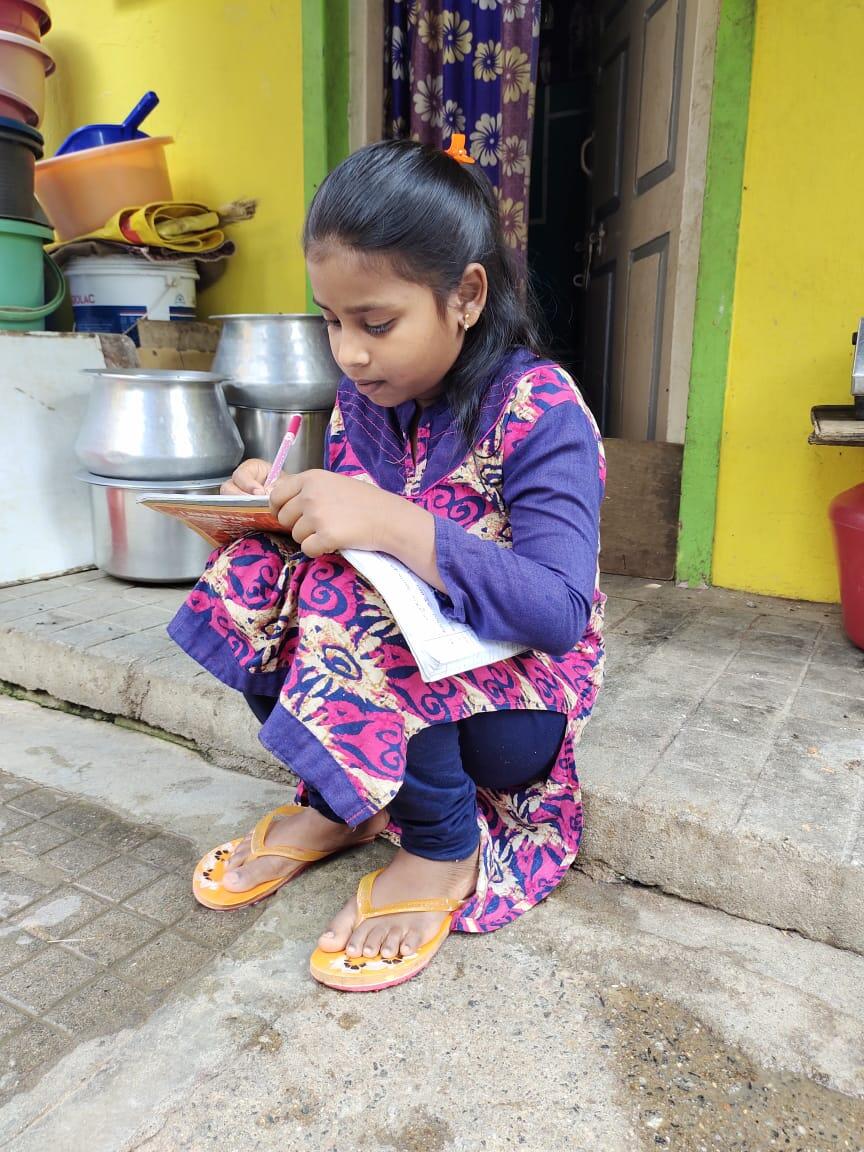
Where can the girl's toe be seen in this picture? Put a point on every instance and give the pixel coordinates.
(392, 940)
(374, 939)
(337, 933)
(238, 881)
(357, 940)
(240, 878)
(239, 855)
(410, 942)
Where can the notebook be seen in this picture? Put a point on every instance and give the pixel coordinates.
(441, 647)
(219, 519)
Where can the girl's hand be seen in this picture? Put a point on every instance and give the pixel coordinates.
(248, 479)
(325, 512)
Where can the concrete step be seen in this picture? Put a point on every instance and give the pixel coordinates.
(724, 764)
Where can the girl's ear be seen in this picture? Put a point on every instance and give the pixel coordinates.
(470, 296)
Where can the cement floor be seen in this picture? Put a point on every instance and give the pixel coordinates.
(609, 1019)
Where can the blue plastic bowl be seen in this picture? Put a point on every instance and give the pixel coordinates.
(97, 135)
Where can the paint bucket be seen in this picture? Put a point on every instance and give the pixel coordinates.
(27, 276)
(112, 293)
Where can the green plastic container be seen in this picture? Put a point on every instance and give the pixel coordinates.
(31, 284)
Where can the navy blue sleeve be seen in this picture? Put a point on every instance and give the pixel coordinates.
(539, 592)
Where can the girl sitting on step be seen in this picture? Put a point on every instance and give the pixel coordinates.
(456, 448)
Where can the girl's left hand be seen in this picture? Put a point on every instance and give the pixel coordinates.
(326, 512)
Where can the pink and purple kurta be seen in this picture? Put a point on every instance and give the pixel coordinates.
(516, 545)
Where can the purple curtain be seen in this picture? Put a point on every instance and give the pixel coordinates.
(469, 66)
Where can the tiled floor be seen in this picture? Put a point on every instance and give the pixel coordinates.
(97, 924)
(749, 705)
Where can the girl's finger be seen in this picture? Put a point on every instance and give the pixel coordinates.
(286, 488)
(301, 529)
(289, 513)
(313, 545)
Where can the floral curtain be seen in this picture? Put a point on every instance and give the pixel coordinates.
(469, 66)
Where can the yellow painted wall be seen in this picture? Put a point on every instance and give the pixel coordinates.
(229, 78)
(799, 292)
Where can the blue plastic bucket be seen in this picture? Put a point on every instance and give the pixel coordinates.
(31, 284)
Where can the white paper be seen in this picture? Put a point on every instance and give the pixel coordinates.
(244, 500)
(440, 646)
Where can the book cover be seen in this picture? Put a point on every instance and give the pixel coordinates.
(219, 519)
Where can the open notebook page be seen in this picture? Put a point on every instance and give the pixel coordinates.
(440, 646)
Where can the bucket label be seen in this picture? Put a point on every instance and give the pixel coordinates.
(120, 318)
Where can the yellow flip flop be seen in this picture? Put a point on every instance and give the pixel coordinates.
(207, 878)
(372, 973)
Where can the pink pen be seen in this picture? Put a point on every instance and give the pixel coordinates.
(284, 448)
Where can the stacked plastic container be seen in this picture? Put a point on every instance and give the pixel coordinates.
(31, 285)
(97, 172)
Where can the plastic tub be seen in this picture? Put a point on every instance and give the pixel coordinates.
(24, 64)
(14, 110)
(24, 18)
(24, 267)
(847, 516)
(20, 148)
(82, 190)
(112, 293)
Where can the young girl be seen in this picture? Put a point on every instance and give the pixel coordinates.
(456, 449)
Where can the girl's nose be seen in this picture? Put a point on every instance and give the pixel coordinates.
(352, 353)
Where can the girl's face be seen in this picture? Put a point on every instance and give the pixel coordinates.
(386, 333)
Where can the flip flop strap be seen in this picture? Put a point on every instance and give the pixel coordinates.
(259, 848)
(365, 911)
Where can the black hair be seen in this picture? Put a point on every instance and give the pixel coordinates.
(431, 216)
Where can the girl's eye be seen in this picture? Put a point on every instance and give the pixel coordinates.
(330, 323)
(379, 329)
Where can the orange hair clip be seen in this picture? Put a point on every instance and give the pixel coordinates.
(457, 149)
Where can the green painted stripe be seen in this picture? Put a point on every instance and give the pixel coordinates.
(314, 107)
(338, 78)
(325, 94)
(715, 289)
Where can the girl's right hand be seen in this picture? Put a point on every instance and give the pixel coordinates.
(248, 479)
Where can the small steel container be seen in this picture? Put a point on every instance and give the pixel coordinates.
(158, 424)
(137, 543)
(262, 432)
(278, 361)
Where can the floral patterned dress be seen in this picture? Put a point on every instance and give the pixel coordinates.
(267, 619)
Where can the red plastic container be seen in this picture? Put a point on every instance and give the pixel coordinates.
(847, 516)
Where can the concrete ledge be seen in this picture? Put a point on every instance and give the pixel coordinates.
(724, 764)
(767, 880)
(176, 700)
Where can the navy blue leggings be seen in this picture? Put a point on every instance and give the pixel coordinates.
(436, 807)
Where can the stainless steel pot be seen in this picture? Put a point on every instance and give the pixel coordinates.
(156, 424)
(280, 361)
(138, 543)
(262, 433)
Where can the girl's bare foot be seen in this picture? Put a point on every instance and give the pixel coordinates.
(306, 829)
(407, 877)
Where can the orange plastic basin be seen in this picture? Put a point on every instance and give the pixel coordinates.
(81, 191)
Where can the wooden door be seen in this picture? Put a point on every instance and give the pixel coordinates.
(650, 140)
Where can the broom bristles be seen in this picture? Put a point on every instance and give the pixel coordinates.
(236, 211)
